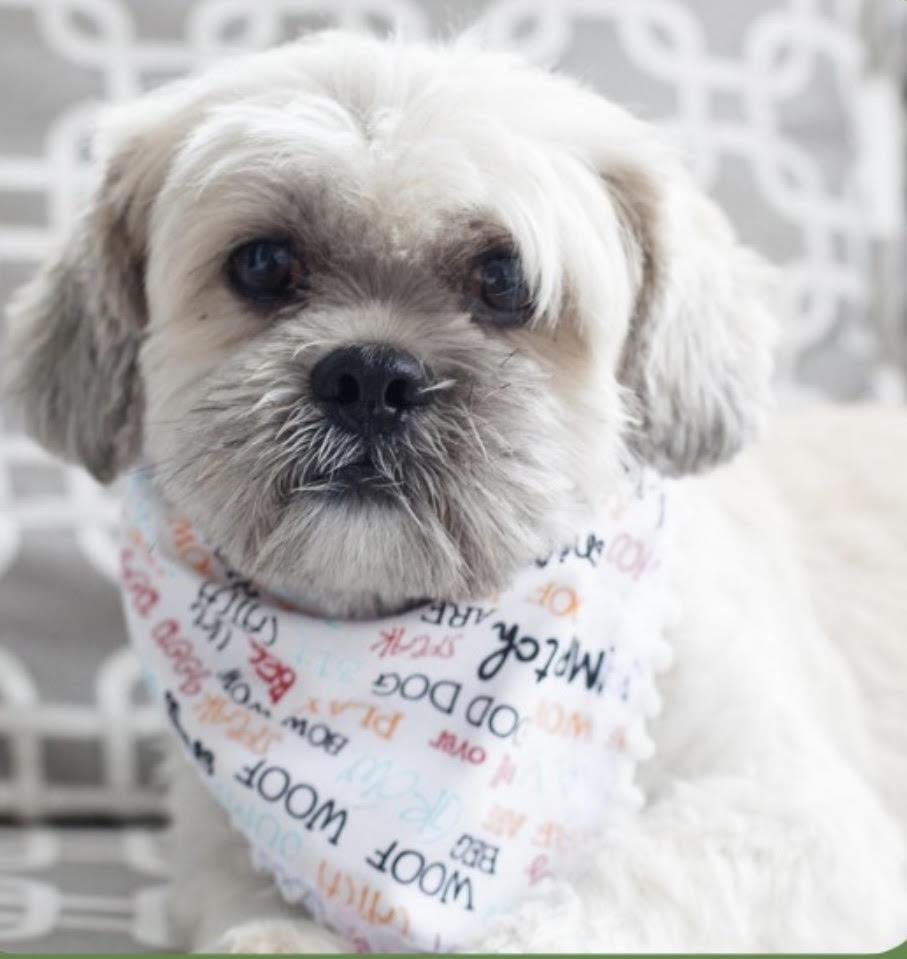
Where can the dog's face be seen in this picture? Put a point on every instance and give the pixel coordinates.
(386, 319)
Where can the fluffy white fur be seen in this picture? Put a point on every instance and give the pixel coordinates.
(777, 795)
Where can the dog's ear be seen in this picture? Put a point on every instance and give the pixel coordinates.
(697, 360)
(76, 327)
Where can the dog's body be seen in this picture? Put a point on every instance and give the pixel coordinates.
(777, 797)
(385, 321)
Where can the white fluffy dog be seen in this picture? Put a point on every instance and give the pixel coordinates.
(578, 305)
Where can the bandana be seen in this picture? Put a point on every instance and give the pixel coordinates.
(409, 779)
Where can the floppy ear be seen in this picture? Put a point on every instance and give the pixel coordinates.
(75, 328)
(698, 358)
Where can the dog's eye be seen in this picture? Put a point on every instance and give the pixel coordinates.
(499, 290)
(266, 271)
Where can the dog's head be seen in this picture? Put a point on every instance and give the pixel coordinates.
(384, 317)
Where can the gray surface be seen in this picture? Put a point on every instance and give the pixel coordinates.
(82, 890)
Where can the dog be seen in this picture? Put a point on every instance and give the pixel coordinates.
(385, 319)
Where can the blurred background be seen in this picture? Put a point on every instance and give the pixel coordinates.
(792, 115)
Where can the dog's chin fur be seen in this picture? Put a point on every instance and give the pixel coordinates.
(391, 169)
(473, 489)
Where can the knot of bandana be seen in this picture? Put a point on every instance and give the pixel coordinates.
(409, 779)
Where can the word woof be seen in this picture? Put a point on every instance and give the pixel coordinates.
(299, 800)
(569, 665)
(436, 880)
(482, 712)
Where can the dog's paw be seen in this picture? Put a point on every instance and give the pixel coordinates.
(268, 937)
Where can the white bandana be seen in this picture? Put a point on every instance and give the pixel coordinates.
(409, 779)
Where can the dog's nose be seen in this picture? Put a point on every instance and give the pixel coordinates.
(369, 388)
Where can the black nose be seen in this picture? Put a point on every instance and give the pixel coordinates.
(369, 388)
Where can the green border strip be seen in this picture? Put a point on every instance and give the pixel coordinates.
(898, 952)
